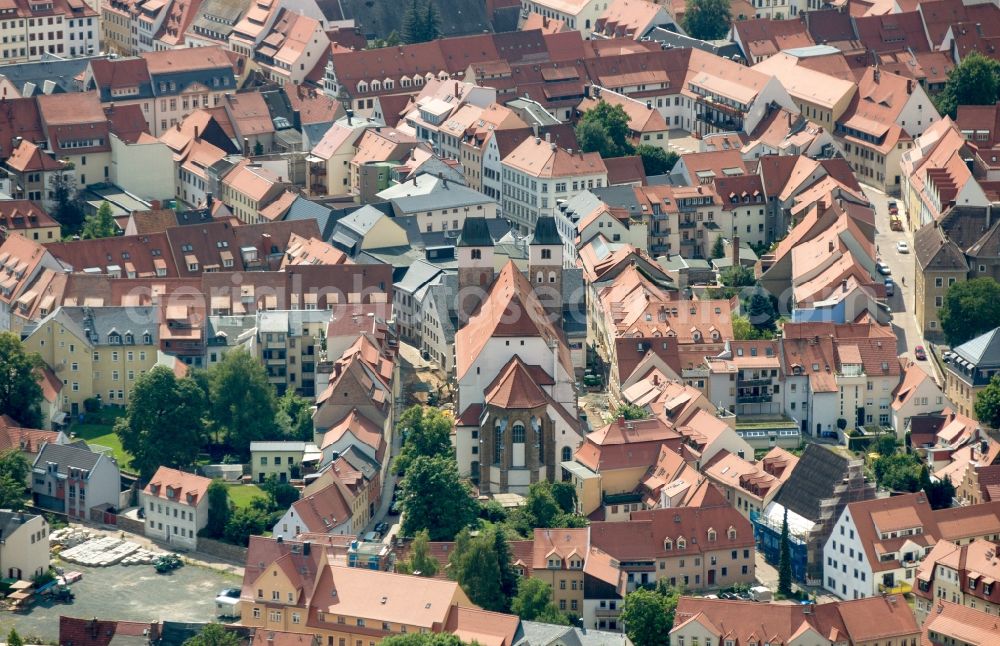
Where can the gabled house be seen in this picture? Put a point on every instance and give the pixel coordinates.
(73, 480)
(176, 507)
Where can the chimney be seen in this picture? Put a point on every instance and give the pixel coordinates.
(548, 137)
(197, 134)
(306, 548)
(909, 86)
(876, 75)
(621, 421)
(843, 285)
(209, 200)
(246, 147)
(830, 246)
(736, 251)
(649, 105)
(534, 130)
(350, 116)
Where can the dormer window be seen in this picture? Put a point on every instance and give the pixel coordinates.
(681, 543)
(555, 564)
(731, 533)
(114, 338)
(129, 339)
(711, 535)
(667, 545)
(147, 339)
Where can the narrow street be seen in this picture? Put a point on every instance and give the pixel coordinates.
(903, 268)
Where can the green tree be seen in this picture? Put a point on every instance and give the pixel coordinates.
(100, 225)
(422, 639)
(707, 19)
(760, 310)
(718, 248)
(565, 495)
(988, 403)
(737, 276)
(534, 600)
(435, 498)
(604, 129)
(971, 307)
(974, 81)
(655, 160)
(671, 595)
(939, 493)
(742, 328)
(476, 568)
(280, 495)
(420, 562)
(294, 417)
(20, 388)
(541, 506)
(246, 522)
(14, 472)
(785, 560)
(886, 444)
(220, 508)
(426, 431)
(411, 28)
(631, 411)
(214, 634)
(505, 561)
(14, 639)
(243, 401)
(899, 472)
(69, 206)
(644, 615)
(431, 23)
(162, 425)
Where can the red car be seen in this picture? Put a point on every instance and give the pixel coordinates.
(920, 353)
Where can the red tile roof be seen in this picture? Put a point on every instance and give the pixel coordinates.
(177, 486)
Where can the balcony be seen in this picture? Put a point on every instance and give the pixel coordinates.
(899, 588)
(659, 248)
(723, 123)
(688, 224)
(765, 381)
(753, 399)
(607, 612)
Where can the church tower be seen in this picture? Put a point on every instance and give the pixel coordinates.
(475, 266)
(545, 266)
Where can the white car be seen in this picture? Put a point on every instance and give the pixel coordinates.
(902, 247)
(883, 268)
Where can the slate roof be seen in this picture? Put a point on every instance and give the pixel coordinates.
(984, 350)
(546, 232)
(62, 74)
(819, 472)
(66, 456)
(379, 18)
(475, 233)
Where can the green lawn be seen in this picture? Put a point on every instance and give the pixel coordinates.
(99, 429)
(242, 494)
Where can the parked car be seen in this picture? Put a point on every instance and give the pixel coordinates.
(373, 537)
(902, 247)
(890, 287)
(920, 353)
(883, 268)
(893, 208)
(895, 223)
(394, 509)
(382, 527)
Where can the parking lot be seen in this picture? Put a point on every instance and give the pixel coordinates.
(134, 593)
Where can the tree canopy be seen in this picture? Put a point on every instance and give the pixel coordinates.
(604, 129)
(785, 560)
(243, 401)
(14, 472)
(421, 22)
(533, 602)
(163, 424)
(294, 417)
(655, 160)
(214, 634)
(220, 509)
(971, 307)
(707, 19)
(435, 499)
(101, 224)
(422, 639)
(20, 387)
(645, 615)
(426, 431)
(419, 562)
(475, 565)
(974, 81)
(988, 403)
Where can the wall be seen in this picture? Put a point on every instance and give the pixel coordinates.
(224, 551)
(143, 169)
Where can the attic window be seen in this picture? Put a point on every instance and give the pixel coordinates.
(668, 544)
(681, 544)
(711, 535)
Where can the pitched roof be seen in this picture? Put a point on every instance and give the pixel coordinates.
(177, 486)
(515, 387)
(510, 308)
